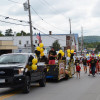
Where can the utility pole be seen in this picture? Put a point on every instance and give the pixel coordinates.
(70, 33)
(31, 32)
(70, 25)
(81, 40)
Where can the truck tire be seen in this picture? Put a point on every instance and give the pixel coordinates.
(42, 82)
(26, 88)
(57, 79)
(66, 76)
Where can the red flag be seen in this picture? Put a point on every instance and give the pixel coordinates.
(39, 37)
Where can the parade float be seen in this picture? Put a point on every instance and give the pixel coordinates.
(58, 71)
(71, 67)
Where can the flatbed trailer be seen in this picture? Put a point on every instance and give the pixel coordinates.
(57, 71)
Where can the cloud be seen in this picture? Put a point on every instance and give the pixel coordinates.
(56, 13)
(16, 10)
(96, 10)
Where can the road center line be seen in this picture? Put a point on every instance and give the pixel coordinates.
(9, 95)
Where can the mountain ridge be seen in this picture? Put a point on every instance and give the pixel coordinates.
(90, 39)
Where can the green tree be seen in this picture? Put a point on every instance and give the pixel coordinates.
(23, 33)
(1, 33)
(91, 45)
(8, 32)
(28, 34)
(56, 45)
(18, 34)
(97, 48)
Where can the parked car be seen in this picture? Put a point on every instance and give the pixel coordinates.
(15, 73)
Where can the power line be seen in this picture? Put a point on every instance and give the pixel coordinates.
(38, 16)
(52, 7)
(36, 13)
(13, 23)
(33, 28)
(42, 27)
(46, 2)
(46, 21)
(6, 17)
(46, 5)
(28, 22)
(47, 34)
(14, 1)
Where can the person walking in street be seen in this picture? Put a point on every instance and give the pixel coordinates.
(84, 61)
(77, 61)
(90, 58)
(78, 69)
(93, 66)
(81, 61)
(52, 56)
(98, 65)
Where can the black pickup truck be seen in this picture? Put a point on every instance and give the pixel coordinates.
(15, 73)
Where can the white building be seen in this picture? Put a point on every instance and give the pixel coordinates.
(23, 42)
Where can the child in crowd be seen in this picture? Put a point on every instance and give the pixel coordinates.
(78, 69)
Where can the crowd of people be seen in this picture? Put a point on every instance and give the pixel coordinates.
(93, 64)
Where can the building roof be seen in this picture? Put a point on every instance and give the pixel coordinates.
(46, 39)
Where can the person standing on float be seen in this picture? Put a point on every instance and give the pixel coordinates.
(52, 56)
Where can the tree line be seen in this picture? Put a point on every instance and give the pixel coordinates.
(95, 45)
(9, 32)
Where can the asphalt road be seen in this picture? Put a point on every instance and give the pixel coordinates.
(86, 88)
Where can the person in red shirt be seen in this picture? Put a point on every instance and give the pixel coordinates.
(89, 65)
(78, 69)
(52, 56)
(92, 68)
(99, 65)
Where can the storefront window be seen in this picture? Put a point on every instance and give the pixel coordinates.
(19, 41)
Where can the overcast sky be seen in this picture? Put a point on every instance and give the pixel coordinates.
(55, 15)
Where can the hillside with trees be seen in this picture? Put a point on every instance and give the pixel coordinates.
(90, 39)
(91, 42)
